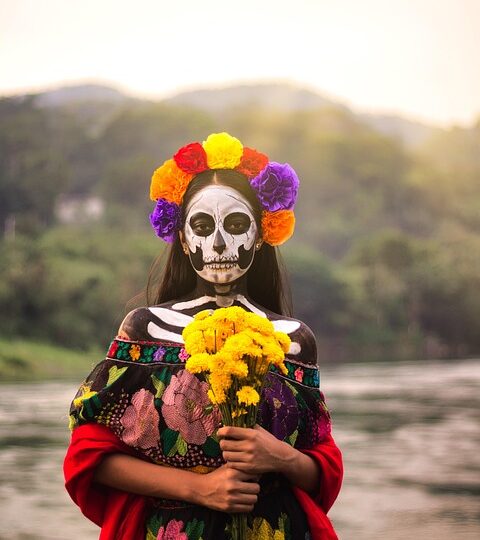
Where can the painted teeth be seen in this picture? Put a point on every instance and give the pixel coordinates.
(220, 266)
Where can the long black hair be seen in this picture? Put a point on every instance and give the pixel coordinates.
(266, 281)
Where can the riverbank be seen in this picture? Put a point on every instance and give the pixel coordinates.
(22, 360)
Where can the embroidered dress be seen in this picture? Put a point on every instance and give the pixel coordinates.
(144, 395)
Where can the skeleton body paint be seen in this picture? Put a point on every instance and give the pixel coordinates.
(220, 232)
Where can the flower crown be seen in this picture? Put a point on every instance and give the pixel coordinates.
(275, 184)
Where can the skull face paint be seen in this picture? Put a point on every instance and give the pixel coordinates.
(220, 231)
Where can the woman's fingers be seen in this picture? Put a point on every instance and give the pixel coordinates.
(233, 445)
(232, 432)
(245, 477)
(236, 457)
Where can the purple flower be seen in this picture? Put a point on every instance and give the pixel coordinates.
(160, 353)
(276, 187)
(278, 411)
(166, 220)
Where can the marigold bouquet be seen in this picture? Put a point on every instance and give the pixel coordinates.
(234, 349)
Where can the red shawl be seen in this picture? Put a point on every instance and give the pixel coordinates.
(122, 515)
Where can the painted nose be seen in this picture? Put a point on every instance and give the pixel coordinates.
(219, 243)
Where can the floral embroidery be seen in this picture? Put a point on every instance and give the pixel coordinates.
(299, 375)
(173, 531)
(262, 530)
(86, 393)
(159, 527)
(134, 352)
(140, 421)
(112, 349)
(278, 409)
(186, 408)
(159, 353)
(183, 355)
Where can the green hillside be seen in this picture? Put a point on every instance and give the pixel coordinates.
(385, 258)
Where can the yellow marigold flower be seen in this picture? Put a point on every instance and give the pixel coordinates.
(236, 368)
(134, 352)
(260, 324)
(247, 395)
(169, 182)
(203, 314)
(238, 344)
(217, 395)
(220, 383)
(283, 340)
(195, 342)
(211, 397)
(223, 151)
(197, 363)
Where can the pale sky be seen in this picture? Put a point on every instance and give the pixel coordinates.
(418, 58)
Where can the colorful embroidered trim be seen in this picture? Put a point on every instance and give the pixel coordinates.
(147, 352)
(300, 374)
(275, 184)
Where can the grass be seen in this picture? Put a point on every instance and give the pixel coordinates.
(22, 360)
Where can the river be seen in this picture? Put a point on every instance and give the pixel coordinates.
(410, 434)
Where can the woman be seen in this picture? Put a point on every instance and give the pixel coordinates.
(149, 457)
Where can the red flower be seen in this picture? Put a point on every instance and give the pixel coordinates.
(191, 158)
(299, 375)
(112, 350)
(252, 162)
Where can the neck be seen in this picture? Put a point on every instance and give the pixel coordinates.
(224, 293)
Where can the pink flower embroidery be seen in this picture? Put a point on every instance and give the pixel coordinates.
(183, 355)
(184, 402)
(299, 375)
(172, 532)
(140, 421)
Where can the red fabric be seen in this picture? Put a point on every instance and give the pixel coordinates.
(121, 515)
(329, 459)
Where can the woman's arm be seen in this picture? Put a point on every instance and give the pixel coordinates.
(225, 489)
(257, 451)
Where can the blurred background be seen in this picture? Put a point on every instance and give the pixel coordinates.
(375, 104)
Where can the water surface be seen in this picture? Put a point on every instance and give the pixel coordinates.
(410, 435)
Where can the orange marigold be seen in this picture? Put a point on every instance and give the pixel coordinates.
(169, 182)
(277, 226)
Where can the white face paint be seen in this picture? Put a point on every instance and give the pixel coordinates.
(220, 232)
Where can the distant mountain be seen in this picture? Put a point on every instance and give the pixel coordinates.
(412, 133)
(278, 96)
(67, 95)
(285, 97)
(288, 97)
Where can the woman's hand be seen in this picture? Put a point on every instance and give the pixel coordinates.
(228, 490)
(255, 451)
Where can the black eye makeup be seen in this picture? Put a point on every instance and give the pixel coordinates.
(202, 224)
(237, 223)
